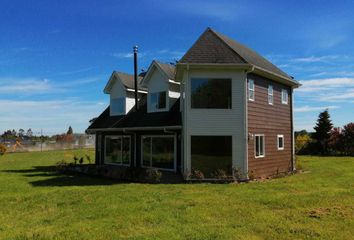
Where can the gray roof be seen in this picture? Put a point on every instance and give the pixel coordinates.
(169, 69)
(127, 79)
(214, 47)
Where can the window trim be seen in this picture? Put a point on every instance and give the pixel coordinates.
(130, 150)
(112, 113)
(252, 90)
(280, 136)
(283, 101)
(154, 109)
(174, 152)
(255, 145)
(230, 107)
(270, 86)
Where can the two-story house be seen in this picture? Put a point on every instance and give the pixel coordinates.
(223, 107)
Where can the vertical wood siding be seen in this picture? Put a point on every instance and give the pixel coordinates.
(269, 120)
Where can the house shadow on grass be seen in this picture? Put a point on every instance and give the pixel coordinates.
(53, 178)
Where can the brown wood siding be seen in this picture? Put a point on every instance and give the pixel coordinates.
(269, 120)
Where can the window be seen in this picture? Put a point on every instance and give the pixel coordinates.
(158, 101)
(118, 106)
(211, 153)
(280, 140)
(211, 93)
(158, 152)
(284, 96)
(251, 90)
(270, 94)
(259, 145)
(117, 150)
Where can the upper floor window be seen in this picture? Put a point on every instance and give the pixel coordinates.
(251, 90)
(118, 106)
(158, 101)
(270, 94)
(284, 96)
(211, 93)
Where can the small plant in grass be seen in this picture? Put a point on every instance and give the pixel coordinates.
(61, 165)
(251, 175)
(153, 175)
(298, 164)
(237, 174)
(220, 174)
(81, 160)
(3, 149)
(75, 160)
(88, 158)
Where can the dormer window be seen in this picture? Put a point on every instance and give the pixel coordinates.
(118, 106)
(158, 101)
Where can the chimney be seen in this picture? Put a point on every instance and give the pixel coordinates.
(135, 49)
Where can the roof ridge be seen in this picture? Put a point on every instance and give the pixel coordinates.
(223, 41)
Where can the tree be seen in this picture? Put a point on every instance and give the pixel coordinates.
(348, 139)
(70, 131)
(323, 128)
(335, 140)
(21, 132)
(29, 133)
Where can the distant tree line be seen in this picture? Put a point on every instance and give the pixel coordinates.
(326, 140)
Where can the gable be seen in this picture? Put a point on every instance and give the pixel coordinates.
(211, 49)
(157, 82)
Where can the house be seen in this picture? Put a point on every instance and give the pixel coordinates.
(222, 107)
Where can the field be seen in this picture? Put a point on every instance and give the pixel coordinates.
(38, 203)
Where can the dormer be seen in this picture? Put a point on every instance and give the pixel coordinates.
(162, 89)
(120, 88)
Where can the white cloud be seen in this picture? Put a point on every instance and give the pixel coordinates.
(123, 55)
(17, 85)
(313, 59)
(313, 85)
(313, 109)
(53, 116)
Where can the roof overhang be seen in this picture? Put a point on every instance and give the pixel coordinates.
(89, 131)
(225, 66)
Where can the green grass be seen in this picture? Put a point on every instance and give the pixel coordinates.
(37, 203)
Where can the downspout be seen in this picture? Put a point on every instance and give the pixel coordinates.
(135, 50)
(293, 159)
(246, 122)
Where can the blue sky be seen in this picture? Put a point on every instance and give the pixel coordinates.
(56, 56)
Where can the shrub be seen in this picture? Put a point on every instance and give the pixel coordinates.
(81, 160)
(3, 149)
(88, 158)
(301, 143)
(251, 175)
(153, 175)
(220, 174)
(196, 174)
(75, 160)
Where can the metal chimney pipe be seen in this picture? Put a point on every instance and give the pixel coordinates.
(135, 50)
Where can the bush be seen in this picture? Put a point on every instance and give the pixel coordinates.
(196, 174)
(61, 165)
(3, 149)
(220, 174)
(153, 175)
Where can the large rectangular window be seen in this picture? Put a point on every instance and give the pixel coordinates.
(117, 150)
(259, 145)
(158, 152)
(251, 94)
(211, 153)
(211, 93)
(157, 101)
(270, 94)
(118, 106)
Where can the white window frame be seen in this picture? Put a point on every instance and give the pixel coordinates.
(255, 145)
(270, 94)
(158, 136)
(280, 136)
(284, 96)
(130, 149)
(116, 113)
(153, 108)
(251, 90)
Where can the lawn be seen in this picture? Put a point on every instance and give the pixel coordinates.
(37, 203)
